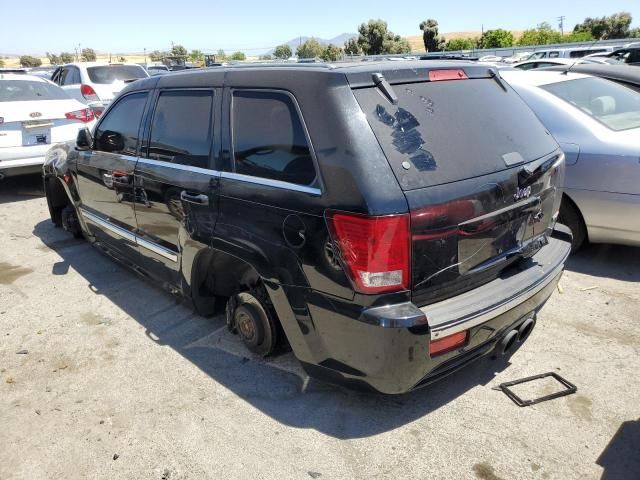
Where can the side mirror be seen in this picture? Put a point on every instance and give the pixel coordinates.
(110, 141)
(84, 141)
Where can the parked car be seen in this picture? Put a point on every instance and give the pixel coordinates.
(578, 52)
(630, 55)
(96, 83)
(157, 69)
(35, 113)
(553, 62)
(597, 123)
(392, 221)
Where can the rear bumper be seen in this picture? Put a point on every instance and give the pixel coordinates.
(21, 166)
(387, 349)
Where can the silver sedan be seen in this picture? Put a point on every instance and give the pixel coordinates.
(597, 123)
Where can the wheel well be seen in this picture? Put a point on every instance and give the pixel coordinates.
(56, 194)
(222, 274)
(566, 198)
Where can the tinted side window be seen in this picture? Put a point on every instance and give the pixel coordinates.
(182, 128)
(71, 76)
(118, 131)
(268, 138)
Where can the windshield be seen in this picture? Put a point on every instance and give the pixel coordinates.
(446, 131)
(28, 90)
(612, 104)
(112, 73)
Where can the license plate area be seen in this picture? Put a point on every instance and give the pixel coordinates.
(36, 133)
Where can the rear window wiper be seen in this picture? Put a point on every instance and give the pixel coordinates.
(385, 87)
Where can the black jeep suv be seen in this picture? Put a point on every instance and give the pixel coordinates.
(390, 221)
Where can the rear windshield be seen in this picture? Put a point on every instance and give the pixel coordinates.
(111, 73)
(612, 104)
(441, 132)
(27, 90)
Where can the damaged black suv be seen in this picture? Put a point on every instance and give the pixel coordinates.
(390, 221)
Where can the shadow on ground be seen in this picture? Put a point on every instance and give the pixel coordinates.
(17, 189)
(287, 396)
(612, 261)
(621, 459)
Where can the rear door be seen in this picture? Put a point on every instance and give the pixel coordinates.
(105, 174)
(479, 172)
(176, 181)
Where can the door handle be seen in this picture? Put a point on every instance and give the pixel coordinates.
(200, 199)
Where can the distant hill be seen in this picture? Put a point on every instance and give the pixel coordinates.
(337, 41)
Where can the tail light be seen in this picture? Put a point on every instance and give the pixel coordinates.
(89, 93)
(374, 250)
(85, 115)
(448, 343)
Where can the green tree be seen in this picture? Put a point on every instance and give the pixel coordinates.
(53, 59)
(635, 33)
(238, 56)
(577, 37)
(460, 44)
(196, 56)
(432, 42)
(29, 61)
(543, 34)
(498, 38)
(122, 59)
(376, 39)
(66, 57)
(88, 55)
(178, 51)
(331, 53)
(351, 47)
(221, 56)
(282, 52)
(310, 49)
(266, 57)
(157, 55)
(617, 25)
(1, 63)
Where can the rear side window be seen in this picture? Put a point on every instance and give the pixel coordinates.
(111, 73)
(441, 132)
(28, 90)
(268, 138)
(118, 131)
(182, 128)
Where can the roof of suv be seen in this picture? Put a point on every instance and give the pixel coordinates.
(359, 74)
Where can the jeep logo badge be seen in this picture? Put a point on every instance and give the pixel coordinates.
(522, 193)
(35, 114)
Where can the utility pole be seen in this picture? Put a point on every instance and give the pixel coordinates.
(145, 56)
(561, 19)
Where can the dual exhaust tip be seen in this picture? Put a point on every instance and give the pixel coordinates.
(515, 336)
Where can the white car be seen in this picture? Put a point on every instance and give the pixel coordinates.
(34, 114)
(96, 83)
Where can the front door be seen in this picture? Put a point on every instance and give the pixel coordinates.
(105, 175)
(176, 185)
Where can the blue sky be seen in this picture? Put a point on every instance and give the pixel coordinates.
(120, 26)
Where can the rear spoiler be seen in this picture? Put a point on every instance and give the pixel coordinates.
(406, 74)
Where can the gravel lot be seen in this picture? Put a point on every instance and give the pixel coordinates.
(104, 376)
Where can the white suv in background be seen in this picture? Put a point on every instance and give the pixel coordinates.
(96, 83)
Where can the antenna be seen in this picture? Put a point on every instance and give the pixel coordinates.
(580, 58)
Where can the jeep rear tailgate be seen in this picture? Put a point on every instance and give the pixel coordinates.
(480, 174)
